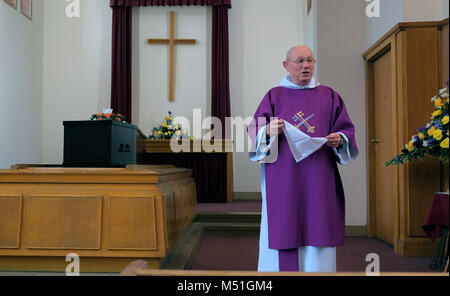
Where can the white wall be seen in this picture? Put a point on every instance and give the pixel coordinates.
(396, 11)
(192, 64)
(444, 9)
(340, 44)
(20, 85)
(419, 10)
(259, 40)
(309, 25)
(391, 13)
(77, 68)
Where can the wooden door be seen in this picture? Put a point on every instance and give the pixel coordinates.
(383, 148)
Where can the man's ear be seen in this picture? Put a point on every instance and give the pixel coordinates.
(285, 64)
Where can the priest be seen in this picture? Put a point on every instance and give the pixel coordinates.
(303, 212)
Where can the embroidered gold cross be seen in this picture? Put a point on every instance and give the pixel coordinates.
(299, 117)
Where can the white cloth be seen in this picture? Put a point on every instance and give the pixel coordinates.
(345, 153)
(287, 82)
(262, 148)
(301, 144)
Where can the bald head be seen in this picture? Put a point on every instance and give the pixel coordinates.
(302, 48)
(300, 64)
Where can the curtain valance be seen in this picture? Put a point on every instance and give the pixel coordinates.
(117, 3)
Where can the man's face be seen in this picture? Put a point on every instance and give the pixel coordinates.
(300, 65)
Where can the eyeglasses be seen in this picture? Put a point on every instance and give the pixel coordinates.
(301, 62)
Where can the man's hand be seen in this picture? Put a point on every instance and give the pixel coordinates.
(334, 140)
(275, 127)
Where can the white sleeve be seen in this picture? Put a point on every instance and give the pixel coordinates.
(345, 153)
(262, 148)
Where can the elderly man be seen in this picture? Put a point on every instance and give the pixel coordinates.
(303, 213)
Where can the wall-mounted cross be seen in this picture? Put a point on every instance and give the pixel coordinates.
(171, 42)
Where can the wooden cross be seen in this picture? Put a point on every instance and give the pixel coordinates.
(171, 42)
(309, 6)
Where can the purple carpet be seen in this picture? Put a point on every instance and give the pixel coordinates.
(241, 253)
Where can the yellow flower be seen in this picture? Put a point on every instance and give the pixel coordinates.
(437, 113)
(421, 136)
(410, 146)
(445, 120)
(444, 144)
(431, 131)
(437, 135)
(170, 133)
(438, 103)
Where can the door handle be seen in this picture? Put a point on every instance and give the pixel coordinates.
(376, 141)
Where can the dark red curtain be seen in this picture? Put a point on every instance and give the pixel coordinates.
(121, 54)
(220, 92)
(121, 74)
(115, 3)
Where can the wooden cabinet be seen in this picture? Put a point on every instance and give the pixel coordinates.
(108, 216)
(404, 69)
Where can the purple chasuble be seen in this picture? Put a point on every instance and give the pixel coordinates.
(305, 200)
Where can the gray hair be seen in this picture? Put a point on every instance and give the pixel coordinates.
(289, 52)
(292, 48)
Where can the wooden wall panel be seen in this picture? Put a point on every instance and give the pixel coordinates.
(10, 221)
(179, 210)
(132, 224)
(422, 62)
(445, 54)
(171, 222)
(191, 195)
(444, 77)
(64, 222)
